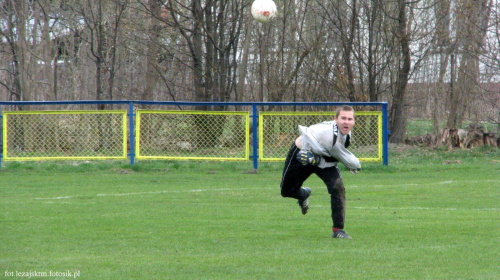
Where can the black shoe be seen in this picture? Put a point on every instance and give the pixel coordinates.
(304, 201)
(341, 234)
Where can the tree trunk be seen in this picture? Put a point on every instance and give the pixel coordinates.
(371, 65)
(243, 66)
(152, 74)
(120, 8)
(197, 53)
(22, 53)
(398, 127)
(471, 31)
(99, 55)
(442, 13)
(15, 87)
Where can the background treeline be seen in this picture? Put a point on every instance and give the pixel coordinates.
(433, 59)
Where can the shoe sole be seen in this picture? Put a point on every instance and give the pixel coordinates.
(304, 205)
(342, 236)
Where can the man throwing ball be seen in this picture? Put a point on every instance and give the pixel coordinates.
(319, 149)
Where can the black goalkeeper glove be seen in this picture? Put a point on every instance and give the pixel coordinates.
(308, 158)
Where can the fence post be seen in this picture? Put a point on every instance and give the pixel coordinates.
(385, 134)
(1, 136)
(131, 132)
(255, 128)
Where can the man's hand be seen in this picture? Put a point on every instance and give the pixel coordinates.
(354, 171)
(308, 158)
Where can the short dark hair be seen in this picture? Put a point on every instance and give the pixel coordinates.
(344, 108)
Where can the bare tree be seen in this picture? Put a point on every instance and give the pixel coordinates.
(398, 120)
(443, 48)
(472, 24)
(152, 74)
(244, 57)
(119, 10)
(98, 24)
(491, 59)
(188, 20)
(432, 58)
(14, 33)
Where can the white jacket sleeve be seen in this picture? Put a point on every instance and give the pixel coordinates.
(348, 159)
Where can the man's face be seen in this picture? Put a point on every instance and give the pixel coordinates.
(345, 121)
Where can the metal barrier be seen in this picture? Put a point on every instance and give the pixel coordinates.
(198, 135)
(59, 135)
(193, 131)
(277, 130)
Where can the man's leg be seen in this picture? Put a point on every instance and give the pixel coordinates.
(337, 199)
(333, 180)
(294, 175)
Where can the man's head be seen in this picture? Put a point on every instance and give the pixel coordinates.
(345, 118)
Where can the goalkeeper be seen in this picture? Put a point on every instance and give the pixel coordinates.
(319, 149)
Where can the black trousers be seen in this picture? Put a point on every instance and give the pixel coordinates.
(294, 175)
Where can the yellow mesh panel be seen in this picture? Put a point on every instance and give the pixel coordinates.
(44, 135)
(278, 130)
(192, 135)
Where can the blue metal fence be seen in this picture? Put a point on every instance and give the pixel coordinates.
(254, 115)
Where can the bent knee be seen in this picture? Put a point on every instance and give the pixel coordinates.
(339, 184)
(336, 187)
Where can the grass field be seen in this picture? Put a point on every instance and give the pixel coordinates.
(428, 215)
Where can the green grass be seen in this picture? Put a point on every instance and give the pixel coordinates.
(430, 214)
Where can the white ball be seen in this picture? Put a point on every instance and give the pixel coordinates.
(263, 10)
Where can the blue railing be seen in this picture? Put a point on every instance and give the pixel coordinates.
(254, 116)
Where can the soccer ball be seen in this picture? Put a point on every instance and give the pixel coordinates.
(263, 10)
